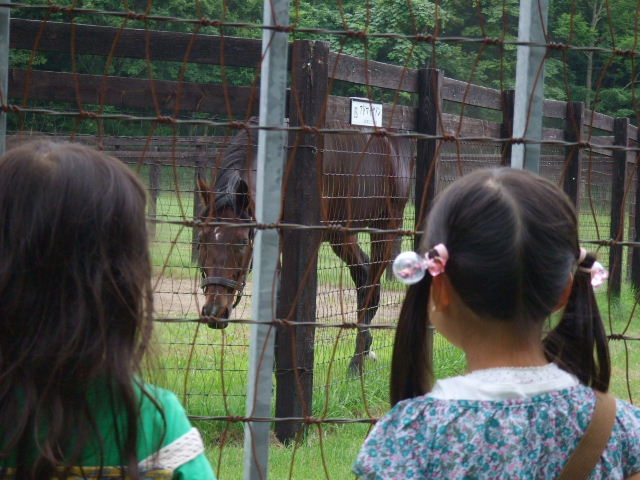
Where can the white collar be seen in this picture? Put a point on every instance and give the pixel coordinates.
(504, 383)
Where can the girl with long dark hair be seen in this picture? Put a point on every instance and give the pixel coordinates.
(75, 322)
(499, 254)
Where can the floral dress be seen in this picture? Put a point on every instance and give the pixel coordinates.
(496, 424)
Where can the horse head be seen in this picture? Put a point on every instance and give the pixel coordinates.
(224, 247)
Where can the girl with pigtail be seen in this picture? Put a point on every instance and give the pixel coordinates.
(499, 255)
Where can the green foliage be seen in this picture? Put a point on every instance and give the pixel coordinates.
(470, 44)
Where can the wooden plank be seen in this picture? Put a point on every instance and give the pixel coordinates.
(604, 141)
(168, 141)
(132, 43)
(396, 117)
(554, 109)
(132, 93)
(166, 158)
(302, 205)
(123, 141)
(369, 72)
(469, 94)
(553, 134)
(469, 127)
(598, 120)
(618, 177)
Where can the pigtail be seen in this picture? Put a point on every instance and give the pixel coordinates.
(411, 365)
(578, 344)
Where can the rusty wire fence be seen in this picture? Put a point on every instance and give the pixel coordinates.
(174, 94)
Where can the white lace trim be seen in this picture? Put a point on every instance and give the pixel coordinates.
(504, 383)
(171, 457)
(519, 375)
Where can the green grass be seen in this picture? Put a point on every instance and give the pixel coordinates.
(207, 368)
(336, 395)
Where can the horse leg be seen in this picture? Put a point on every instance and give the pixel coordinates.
(346, 247)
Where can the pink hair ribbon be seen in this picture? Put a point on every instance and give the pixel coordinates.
(599, 274)
(410, 268)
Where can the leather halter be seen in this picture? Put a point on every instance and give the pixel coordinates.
(224, 282)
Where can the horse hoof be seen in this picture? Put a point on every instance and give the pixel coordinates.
(356, 367)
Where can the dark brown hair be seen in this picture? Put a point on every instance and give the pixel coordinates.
(512, 239)
(75, 304)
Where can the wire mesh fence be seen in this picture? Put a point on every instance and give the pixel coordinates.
(174, 93)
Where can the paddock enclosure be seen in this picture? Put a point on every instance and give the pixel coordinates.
(166, 94)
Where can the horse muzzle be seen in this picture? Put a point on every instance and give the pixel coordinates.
(216, 316)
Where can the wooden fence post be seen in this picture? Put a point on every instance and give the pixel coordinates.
(430, 83)
(618, 178)
(573, 126)
(635, 251)
(301, 204)
(506, 128)
(197, 203)
(429, 122)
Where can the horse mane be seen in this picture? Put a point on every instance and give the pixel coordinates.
(232, 171)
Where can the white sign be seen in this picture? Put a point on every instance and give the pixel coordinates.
(365, 112)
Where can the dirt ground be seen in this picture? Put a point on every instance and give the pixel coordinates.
(182, 297)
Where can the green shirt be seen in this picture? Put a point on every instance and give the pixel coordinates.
(178, 447)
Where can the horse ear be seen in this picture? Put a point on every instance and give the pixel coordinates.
(241, 198)
(204, 190)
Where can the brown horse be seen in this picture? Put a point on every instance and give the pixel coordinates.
(365, 183)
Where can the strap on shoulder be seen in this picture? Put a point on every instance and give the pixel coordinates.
(588, 452)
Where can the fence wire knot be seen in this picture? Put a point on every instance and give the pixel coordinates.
(557, 46)
(624, 53)
(309, 129)
(355, 33)
(211, 23)
(349, 325)
(492, 41)
(85, 114)
(426, 38)
(166, 120)
(136, 16)
(284, 28)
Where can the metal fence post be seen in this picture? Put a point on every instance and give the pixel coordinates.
(529, 101)
(574, 123)
(298, 285)
(271, 153)
(5, 24)
(618, 180)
